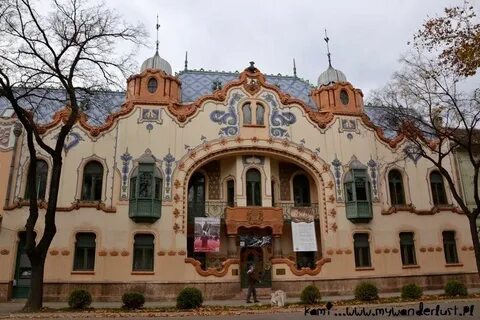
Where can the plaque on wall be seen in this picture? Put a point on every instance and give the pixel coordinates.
(303, 234)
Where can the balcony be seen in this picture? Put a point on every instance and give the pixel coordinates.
(359, 211)
(210, 208)
(145, 210)
(287, 207)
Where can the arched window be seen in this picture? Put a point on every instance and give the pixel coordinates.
(247, 113)
(438, 189)
(145, 193)
(92, 181)
(395, 184)
(301, 191)
(196, 196)
(231, 193)
(254, 195)
(260, 114)
(41, 180)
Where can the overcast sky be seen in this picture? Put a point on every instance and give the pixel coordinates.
(366, 37)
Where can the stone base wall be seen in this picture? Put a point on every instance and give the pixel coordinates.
(384, 284)
(232, 290)
(5, 291)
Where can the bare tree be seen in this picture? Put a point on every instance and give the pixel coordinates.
(425, 104)
(74, 48)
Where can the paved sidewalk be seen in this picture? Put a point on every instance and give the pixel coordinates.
(16, 305)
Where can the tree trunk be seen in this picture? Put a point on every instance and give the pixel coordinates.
(472, 220)
(35, 298)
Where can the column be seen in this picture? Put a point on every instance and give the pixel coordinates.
(232, 248)
(277, 248)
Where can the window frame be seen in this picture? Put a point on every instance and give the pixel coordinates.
(450, 252)
(407, 248)
(90, 195)
(396, 188)
(438, 198)
(144, 266)
(361, 250)
(247, 117)
(253, 189)
(41, 179)
(88, 251)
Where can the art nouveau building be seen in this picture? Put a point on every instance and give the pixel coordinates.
(258, 151)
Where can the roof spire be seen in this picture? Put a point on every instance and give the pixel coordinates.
(328, 49)
(157, 26)
(294, 68)
(186, 60)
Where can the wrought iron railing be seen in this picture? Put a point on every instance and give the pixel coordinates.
(209, 208)
(287, 207)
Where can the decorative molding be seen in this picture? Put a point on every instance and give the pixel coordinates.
(126, 157)
(102, 253)
(65, 252)
(373, 177)
(304, 271)
(348, 125)
(124, 253)
(278, 119)
(212, 271)
(150, 115)
(338, 173)
(228, 118)
(168, 160)
(4, 252)
(76, 205)
(411, 208)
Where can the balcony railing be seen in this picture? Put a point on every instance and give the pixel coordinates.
(287, 207)
(359, 211)
(145, 210)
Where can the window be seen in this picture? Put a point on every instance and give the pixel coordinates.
(344, 97)
(247, 113)
(306, 259)
(450, 247)
(407, 248)
(254, 196)
(41, 180)
(362, 250)
(438, 189)
(231, 193)
(357, 196)
(84, 259)
(301, 191)
(260, 115)
(145, 193)
(152, 85)
(92, 181)
(395, 184)
(143, 252)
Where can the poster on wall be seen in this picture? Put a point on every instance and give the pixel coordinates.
(249, 241)
(207, 234)
(303, 234)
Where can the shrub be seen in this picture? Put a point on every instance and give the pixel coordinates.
(133, 300)
(79, 299)
(366, 291)
(189, 298)
(455, 288)
(411, 291)
(310, 295)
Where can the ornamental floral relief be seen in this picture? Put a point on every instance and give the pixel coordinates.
(168, 160)
(126, 157)
(373, 172)
(278, 120)
(5, 136)
(228, 118)
(338, 173)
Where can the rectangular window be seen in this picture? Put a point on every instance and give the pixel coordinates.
(306, 259)
(143, 252)
(84, 259)
(230, 193)
(362, 250)
(450, 247)
(407, 248)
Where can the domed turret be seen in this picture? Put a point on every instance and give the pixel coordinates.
(331, 75)
(157, 63)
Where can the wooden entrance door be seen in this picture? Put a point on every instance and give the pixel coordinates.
(255, 256)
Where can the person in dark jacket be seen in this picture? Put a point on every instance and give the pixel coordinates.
(252, 281)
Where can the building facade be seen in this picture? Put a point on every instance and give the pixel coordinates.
(260, 154)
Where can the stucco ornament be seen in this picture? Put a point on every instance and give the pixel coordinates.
(5, 136)
(229, 117)
(413, 153)
(337, 173)
(72, 140)
(126, 157)
(169, 160)
(278, 120)
(373, 166)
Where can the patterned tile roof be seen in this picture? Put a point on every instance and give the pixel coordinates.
(196, 83)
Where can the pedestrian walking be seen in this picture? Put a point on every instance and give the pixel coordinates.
(252, 281)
